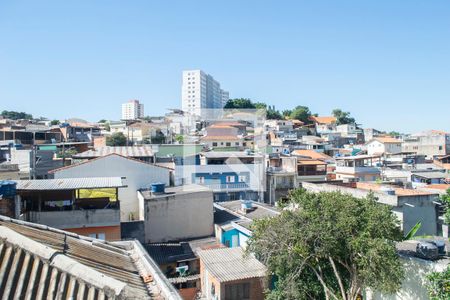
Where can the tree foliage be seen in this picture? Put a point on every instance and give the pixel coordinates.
(329, 246)
(116, 139)
(15, 115)
(446, 201)
(301, 113)
(179, 138)
(342, 117)
(54, 122)
(240, 103)
(438, 285)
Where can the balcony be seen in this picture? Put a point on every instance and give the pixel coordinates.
(228, 187)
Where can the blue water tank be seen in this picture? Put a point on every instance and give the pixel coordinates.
(158, 187)
(7, 188)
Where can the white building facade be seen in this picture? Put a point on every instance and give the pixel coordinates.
(201, 91)
(132, 110)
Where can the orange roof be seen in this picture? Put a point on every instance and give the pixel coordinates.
(398, 191)
(441, 186)
(220, 138)
(323, 120)
(313, 154)
(387, 140)
(311, 162)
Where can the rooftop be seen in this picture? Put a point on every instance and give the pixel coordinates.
(46, 262)
(323, 120)
(183, 189)
(229, 264)
(387, 140)
(398, 191)
(312, 154)
(127, 151)
(258, 210)
(69, 183)
(220, 138)
(430, 175)
(222, 154)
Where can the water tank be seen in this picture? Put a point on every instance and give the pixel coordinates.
(7, 188)
(158, 188)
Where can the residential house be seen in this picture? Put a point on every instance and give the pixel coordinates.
(229, 274)
(357, 168)
(142, 153)
(430, 143)
(230, 175)
(86, 206)
(324, 124)
(136, 173)
(384, 145)
(77, 131)
(281, 177)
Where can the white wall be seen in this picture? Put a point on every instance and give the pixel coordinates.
(138, 175)
(413, 286)
(179, 216)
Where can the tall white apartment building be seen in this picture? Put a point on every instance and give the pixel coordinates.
(132, 110)
(200, 91)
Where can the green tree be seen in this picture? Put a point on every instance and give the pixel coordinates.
(342, 117)
(329, 246)
(54, 122)
(15, 115)
(445, 199)
(179, 138)
(301, 113)
(116, 139)
(159, 138)
(240, 103)
(102, 121)
(438, 285)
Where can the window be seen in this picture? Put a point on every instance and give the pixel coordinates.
(100, 236)
(237, 143)
(230, 179)
(200, 179)
(228, 144)
(242, 178)
(214, 144)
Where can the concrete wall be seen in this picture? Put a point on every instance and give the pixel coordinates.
(413, 286)
(22, 158)
(179, 216)
(75, 218)
(409, 209)
(138, 175)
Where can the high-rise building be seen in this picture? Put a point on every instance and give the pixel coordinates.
(132, 110)
(201, 91)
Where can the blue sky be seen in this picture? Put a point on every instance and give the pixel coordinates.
(385, 61)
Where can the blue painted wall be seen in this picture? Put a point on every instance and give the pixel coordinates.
(213, 178)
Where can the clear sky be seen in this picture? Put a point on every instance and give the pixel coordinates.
(388, 62)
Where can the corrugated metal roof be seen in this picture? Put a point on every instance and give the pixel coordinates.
(228, 264)
(127, 151)
(40, 263)
(69, 183)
